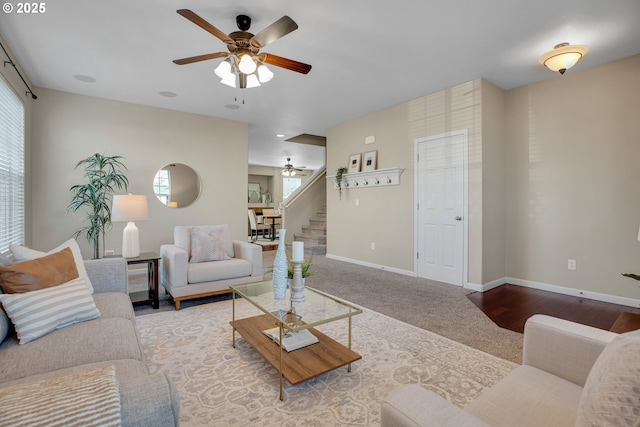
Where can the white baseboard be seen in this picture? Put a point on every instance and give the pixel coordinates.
(372, 265)
(614, 299)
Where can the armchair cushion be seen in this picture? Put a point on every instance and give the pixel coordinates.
(182, 237)
(611, 395)
(208, 244)
(212, 271)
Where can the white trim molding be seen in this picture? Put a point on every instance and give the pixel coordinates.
(614, 299)
(372, 265)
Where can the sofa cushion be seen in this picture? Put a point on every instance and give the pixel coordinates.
(44, 272)
(208, 244)
(528, 397)
(21, 253)
(611, 395)
(89, 398)
(88, 342)
(114, 304)
(218, 270)
(4, 260)
(35, 314)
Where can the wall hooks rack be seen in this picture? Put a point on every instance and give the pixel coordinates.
(376, 178)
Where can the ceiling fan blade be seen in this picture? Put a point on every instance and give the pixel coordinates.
(289, 64)
(199, 58)
(200, 22)
(273, 32)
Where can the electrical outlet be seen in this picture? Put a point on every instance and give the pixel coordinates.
(357, 202)
(571, 265)
(109, 252)
(373, 246)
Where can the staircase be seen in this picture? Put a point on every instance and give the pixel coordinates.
(314, 235)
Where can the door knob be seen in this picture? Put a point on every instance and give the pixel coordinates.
(458, 218)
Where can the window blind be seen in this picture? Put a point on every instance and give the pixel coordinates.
(12, 222)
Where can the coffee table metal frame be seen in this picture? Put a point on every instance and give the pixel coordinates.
(318, 309)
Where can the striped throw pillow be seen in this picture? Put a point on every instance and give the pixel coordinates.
(35, 314)
(87, 398)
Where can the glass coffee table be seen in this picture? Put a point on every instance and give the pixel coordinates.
(307, 362)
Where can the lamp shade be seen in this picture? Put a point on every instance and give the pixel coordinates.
(129, 207)
(563, 56)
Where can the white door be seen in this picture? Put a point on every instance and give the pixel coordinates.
(441, 174)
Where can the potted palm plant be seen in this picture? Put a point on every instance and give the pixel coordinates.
(104, 175)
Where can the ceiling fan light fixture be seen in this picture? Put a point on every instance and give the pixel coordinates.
(229, 80)
(252, 81)
(285, 172)
(264, 73)
(563, 56)
(224, 69)
(247, 65)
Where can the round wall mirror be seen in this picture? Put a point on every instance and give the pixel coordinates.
(176, 185)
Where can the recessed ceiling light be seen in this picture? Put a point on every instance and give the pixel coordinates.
(232, 106)
(168, 94)
(83, 78)
(280, 135)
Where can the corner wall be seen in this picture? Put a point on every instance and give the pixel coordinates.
(573, 189)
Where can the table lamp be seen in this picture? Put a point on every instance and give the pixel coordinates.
(130, 208)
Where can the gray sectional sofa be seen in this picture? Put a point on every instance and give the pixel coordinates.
(111, 339)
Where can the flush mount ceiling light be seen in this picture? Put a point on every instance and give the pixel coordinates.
(244, 66)
(563, 56)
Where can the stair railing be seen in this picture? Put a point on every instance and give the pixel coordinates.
(304, 202)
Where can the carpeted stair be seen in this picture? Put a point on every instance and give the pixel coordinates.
(314, 235)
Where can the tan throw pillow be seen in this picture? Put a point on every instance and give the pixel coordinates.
(22, 253)
(611, 395)
(35, 314)
(40, 273)
(208, 244)
(87, 398)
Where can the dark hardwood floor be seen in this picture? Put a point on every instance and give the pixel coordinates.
(509, 306)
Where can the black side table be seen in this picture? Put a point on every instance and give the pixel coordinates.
(150, 296)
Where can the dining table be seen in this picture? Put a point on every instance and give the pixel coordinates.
(273, 219)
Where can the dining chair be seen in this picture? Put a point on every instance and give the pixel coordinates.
(255, 227)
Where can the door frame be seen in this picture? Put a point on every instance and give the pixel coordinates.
(465, 199)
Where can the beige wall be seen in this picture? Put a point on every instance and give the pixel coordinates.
(385, 215)
(573, 189)
(553, 176)
(68, 128)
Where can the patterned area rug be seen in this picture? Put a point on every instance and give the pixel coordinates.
(224, 386)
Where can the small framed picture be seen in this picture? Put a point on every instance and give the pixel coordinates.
(370, 162)
(354, 163)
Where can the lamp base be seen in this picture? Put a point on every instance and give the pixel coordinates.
(130, 241)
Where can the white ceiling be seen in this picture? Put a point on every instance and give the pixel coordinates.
(366, 54)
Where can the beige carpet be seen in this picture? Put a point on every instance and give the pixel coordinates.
(224, 386)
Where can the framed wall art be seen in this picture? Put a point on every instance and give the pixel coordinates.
(354, 163)
(370, 162)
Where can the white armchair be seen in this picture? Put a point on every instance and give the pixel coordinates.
(187, 280)
(571, 375)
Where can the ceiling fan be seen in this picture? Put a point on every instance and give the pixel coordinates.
(289, 170)
(244, 58)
